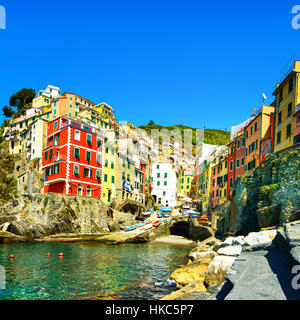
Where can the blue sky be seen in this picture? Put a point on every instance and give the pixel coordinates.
(197, 63)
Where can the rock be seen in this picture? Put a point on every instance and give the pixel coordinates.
(232, 241)
(261, 275)
(200, 255)
(194, 271)
(217, 269)
(195, 287)
(259, 240)
(230, 251)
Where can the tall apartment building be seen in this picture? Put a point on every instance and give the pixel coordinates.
(73, 158)
(164, 183)
(287, 99)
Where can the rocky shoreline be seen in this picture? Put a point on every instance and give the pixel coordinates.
(257, 266)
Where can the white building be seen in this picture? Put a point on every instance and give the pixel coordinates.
(50, 92)
(164, 183)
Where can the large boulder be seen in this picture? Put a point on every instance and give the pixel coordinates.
(194, 256)
(259, 240)
(230, 251)
(194, 271)
(195, 287)
(217, 269)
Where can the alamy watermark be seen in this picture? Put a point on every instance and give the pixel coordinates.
(2, 17)
(296, 18)
(2, 278)
(296, 278)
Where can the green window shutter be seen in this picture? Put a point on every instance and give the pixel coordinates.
(46, 155)
(76, 153)
(91, 173)
(98, 174)
(166, 174)
(76, 170)
(98, 158)
(165, 183)
(98, 142)
(50, 154)
(106, 163)
(158, 183)
(112, 165)
(88, 155)
(158, 175)
(112, 179)
(89, 139)
(105, 178)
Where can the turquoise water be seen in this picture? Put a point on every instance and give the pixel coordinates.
(89, 270)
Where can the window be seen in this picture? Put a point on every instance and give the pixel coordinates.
(77, 135)
(128, 177)
(165, 183)
(279, 118)
(88, 173)
(128, 165)
(238, 144)
(50, 154)
(238, 163)
(290, 107)
(106, 163)
(243, 161)
(188, 180)
(231, 150)
(166, 174)
(70, 106)
(112, 165)
(230, 182)
(251, 131)
(54, 111)
(243, 142)
(50, 171)
(225, 164)
(182, 180)
(280, 95)
(255, 126)
(56, 169)
(77, 153)
(88, 155)
(291, 84)
(79, 190)
(88, 191)
(288, 130)
(98, 158)
(76, 170)
(157, 166)
(99, 142)
(88, 139)
(279, 137)
(55, 125)
(112, 179)
(46, 155)
(158, 175)
(56, 140)
(224, 192)
(158, 183)
(98, 175)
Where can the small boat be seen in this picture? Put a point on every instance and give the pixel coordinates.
(194, 216)
(138, 225)
(156, 223)
(148, 221)
(130, 228)
(140, 218)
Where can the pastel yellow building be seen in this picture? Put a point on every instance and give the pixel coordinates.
(287, 98)
(223, 178)
(109, 172)
(185, 182)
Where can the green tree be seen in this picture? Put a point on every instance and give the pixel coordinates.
(8, 111)
(151, 123)
(19, 102)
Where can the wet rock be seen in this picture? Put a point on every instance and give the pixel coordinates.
(188, 292)
(194, 271)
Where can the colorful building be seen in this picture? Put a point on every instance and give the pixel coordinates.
(297, 125)
(73, 158)
(185, 181)
(287, 98)
(256, 131)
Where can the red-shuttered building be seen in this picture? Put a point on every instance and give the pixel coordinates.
(73, 158)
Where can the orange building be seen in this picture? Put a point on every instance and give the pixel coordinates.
(255, 132)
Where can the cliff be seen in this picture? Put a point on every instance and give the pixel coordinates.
(266, 197)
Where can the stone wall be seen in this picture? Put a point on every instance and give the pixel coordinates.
(264, 197)
(47, 214)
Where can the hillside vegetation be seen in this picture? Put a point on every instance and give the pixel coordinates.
(211, 136)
